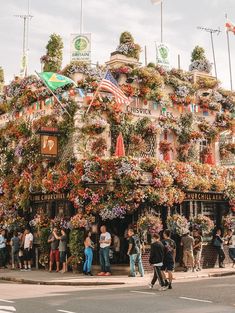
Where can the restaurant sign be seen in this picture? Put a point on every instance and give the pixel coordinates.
(204, 196)
(49, 197)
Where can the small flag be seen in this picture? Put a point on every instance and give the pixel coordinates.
(108, 83)
(54, 80)
(230, 27)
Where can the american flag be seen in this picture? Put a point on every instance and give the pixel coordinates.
(109, 83)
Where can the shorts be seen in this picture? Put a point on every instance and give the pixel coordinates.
(168, 266)
(55, 256)
(197, 255)
(16, 256)
(62, 256)
(27, 254)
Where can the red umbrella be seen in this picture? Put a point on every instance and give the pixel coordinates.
(120, 149)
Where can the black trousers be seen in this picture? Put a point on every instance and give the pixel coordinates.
(157, 275)
(221, 255)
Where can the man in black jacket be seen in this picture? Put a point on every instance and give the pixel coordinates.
(156, 259)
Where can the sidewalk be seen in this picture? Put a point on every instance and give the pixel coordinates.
(70, 279)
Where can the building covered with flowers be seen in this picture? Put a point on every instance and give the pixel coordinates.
(176, 168)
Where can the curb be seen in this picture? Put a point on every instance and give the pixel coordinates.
(58, 283)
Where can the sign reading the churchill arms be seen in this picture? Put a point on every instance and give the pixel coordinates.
(81, 47)
(49, 197)
(203, 196)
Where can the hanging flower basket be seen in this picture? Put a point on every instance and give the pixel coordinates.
(202, 223)
(150, 223)
(177, 224)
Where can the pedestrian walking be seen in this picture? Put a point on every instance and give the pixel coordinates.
(63, 239)
(54, 253)
(169, 258)
(231, 245)
(3, 249)
(28, 248)
(105, 243)
(15, 250)
(156, 259)
(134, 253)
(187, 243)
(89, 246)
(219, 246)
(197, 250)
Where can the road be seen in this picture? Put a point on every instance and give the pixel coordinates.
(214, 295)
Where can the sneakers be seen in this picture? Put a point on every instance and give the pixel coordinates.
(101, 274)
(150, 286)
(170, 286)
(107, 274)
(163, 288)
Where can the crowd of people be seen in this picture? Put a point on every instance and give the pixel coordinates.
(162, 252)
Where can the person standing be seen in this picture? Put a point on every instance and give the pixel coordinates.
(116, 248)
(219, 246)
(187, 243)
(62, 248)
(15, 249)
(197, 250)
(231, 245)
(3, 249)
(88, 254)
(105, 242)
(134, 253)
(169, 257)
(28, 247)
(54, 253)
(156, 259)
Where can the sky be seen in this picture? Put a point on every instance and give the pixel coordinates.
(106, 19)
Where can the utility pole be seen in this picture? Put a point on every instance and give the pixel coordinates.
(212, 32)
(81, 17)
(26, 19)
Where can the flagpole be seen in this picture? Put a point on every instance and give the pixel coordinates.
(55, 96)
(96, 92)
(229, 58)
(162, 21)
(81, 17)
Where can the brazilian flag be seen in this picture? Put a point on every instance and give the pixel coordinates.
(54, 80)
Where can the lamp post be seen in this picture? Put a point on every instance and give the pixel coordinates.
(161, 2)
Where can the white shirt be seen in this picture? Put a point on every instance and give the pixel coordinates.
(105, 236)
(232, 242)
(2, 242)
(28, 238)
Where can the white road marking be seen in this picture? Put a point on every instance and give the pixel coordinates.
(63, 311)
(7, 309)
(7, 301)
(193, 299)
(144, 292)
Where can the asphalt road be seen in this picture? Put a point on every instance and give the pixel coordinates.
(215, 295)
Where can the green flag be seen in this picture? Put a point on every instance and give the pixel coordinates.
(54, 80)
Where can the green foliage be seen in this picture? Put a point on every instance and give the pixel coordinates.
(44, 245)
(54, 56)
(76, 239)
(198, 54)
(1, 75)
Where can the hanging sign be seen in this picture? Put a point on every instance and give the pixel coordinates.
(81, 47)
(162, 55)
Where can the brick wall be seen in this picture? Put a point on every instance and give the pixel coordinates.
(209, 257)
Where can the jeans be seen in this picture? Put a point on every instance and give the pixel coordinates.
(231, 252)
(88, 262)
(136, 258)
(157, 275)
(104, 260)
(221, 255)
(3, 257)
